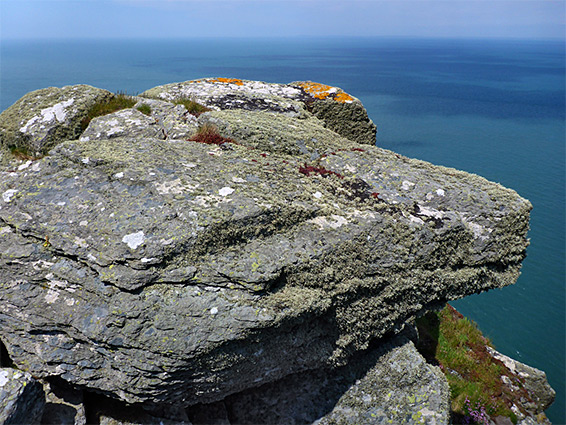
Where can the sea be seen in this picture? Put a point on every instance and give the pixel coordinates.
(490, 107)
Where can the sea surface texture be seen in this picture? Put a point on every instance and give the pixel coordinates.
(494, 108)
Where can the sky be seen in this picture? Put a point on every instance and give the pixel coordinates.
(157, 19)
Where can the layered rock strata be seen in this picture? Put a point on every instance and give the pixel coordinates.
(159, 270)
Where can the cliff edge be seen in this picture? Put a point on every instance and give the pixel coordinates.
(180, 260)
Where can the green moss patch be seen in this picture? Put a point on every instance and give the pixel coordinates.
(454, 343)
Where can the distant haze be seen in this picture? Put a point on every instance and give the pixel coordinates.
(522, 19)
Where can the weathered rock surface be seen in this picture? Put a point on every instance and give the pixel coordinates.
(534, 381)
(338, 110)
(174, 120)
(127, 122)
(42, 118)
(359, 393)
(169, 271)
(21, 398)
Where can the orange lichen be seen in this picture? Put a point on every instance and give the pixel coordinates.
(236, 81)
(323, 91)
(343, 97)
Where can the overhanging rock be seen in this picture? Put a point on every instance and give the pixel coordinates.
(172, 271)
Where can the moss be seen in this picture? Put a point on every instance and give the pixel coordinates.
(105, 107)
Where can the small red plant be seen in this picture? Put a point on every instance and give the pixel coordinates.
(209, 134)
(308, 169)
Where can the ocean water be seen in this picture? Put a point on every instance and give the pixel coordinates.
(494, 108)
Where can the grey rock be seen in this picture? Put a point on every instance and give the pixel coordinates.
(42, 118)
(170, 271)
(533, 380)
(340, 111)
(387, 384)
(65, 404)
(175, 120)
(126, 122)
(234, 93)
(21, 398)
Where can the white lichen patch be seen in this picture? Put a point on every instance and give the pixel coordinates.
(407, 185)
(238, 180)
(430, 212)
(55, 112)
(7, 196)
(225, 191)
(174, 187)
(119, 175)
(24, 166)
(4, 378)
(81, 242)
(334, 222)
(51, 296)
(134, 240)
(317, 195)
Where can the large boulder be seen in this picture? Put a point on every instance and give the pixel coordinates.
(339, 111)
(40, 119)
(173, 271)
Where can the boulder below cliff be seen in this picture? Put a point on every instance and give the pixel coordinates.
(156, 269)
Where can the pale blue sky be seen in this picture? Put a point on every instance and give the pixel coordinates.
(528, 19)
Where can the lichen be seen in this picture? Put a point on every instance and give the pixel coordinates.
(323, 91)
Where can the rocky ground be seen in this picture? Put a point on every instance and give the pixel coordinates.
(258, 261)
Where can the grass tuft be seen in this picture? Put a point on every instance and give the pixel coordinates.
(117, 102)
(454, 343)
(144, 108)
(23, 154)
(193, 107)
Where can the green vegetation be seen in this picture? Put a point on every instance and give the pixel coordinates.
(193, 107)
(23, 154)
(115, 103)
(455, 344)
(144, 109)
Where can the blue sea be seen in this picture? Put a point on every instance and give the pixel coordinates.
(491, 107)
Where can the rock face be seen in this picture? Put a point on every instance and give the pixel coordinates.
(339, 111)
(358, 393)
(160, 270)
(533, 380)
(21, 398)
(43, 118)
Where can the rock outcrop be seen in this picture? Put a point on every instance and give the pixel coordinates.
(42, 118)
(21, 398)
(154, 269)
